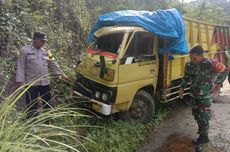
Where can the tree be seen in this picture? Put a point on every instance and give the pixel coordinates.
(225, 5)
(205, 10)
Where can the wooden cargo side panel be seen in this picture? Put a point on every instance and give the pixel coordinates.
(176, 67)
(198, 33)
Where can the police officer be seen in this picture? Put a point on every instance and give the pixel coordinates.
(33, 65)
(199, 71)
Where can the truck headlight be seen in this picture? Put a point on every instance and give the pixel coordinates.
(97, 94)
(105, 96)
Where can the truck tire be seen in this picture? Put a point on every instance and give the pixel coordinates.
(141, 110)
(216, 95)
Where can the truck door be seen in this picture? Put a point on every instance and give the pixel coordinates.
(138, 66)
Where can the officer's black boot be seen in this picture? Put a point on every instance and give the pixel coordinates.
(201, 140)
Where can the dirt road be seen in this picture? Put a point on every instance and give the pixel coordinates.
(177, 131)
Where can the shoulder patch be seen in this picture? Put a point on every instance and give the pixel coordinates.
(48, 53)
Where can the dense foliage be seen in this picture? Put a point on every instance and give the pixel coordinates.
(207, 11)
(68, 22)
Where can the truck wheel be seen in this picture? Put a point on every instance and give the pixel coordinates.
(216, 95)
(141, 110)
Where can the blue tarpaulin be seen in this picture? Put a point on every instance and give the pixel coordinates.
(167, 24)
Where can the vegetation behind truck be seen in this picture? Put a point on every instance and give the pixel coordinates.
(124, 70)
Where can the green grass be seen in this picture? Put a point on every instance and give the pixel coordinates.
(110, 135)
(71, 129)
(28, 135)
(119, 136)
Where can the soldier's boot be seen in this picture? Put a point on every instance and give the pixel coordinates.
(201, 140)
(198, 148)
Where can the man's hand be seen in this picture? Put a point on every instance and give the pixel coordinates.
(65, 77)
(181, 92)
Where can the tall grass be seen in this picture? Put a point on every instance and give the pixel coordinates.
(70, 130)
(18, 134)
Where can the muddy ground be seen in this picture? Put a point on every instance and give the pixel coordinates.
(177, 131)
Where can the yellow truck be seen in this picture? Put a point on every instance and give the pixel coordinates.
(123, 72)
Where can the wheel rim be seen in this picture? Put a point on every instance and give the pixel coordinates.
(138, 109)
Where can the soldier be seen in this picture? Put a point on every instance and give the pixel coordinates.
(199, 71)
(32, 66)
(227, 54)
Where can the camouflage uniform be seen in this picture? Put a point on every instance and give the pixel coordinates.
(201, 77)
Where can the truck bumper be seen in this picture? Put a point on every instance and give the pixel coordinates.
(98, 106)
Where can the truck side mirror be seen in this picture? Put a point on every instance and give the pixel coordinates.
(103, 68)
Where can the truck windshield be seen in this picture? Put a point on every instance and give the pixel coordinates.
(109, 43)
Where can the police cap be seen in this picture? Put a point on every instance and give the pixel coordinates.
(40, 35)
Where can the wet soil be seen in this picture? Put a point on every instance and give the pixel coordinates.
(175, 134)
